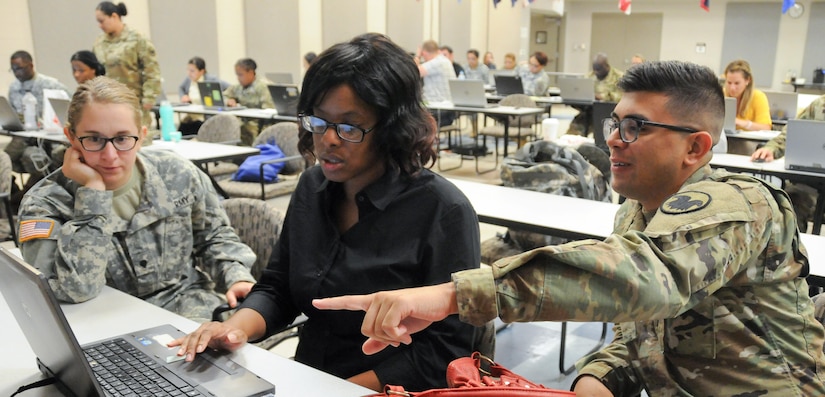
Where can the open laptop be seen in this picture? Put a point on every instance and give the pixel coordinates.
(285, 97)
(61, 109)
(729, 126)
(212, 96)
(783, 105)
(469, 93)
(9, 120)
(83, 371)
(601, 111)
(805, 146)
(279, 77)
(576, 89)
(508, 84)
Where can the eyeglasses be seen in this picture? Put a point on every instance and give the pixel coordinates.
(347, 132)
(97, 143)
(630, 128)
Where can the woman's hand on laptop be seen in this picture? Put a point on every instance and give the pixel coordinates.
(231, 102)
(230, 335)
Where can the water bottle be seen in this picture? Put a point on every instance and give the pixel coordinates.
(461, 75)
(30, 111)
(167, 124)
(550, 128)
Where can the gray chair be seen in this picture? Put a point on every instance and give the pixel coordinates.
(7, 226)
(258, 224)
(521, 128)
(286, 136)
(222, 128)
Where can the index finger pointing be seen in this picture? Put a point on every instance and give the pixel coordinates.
(347, 302)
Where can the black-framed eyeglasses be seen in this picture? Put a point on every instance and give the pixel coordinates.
(97, 143)
(630, 128)
(347, 132)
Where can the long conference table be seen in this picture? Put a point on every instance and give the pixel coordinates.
(113, 313)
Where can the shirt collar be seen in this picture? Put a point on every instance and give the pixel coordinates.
(380, 193)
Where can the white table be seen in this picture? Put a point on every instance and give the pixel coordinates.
(759, 136)
(203, 152)
(114, 313)
(260, 114)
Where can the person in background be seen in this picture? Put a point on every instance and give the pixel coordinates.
(533, 78)
(752, 110)
(308, 58)
(703, 275)
(436, 71)
(606, 88)
(361, 116)
(189, 92)
(128, 57)
(489, 61)
(85, 66)
(474, 69)
(637, 59)
(509, 61)
(252, 92)
(802, 196)
(447, 51)
(148, 223)
(27, 154)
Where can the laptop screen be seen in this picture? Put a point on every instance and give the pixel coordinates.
(211, 93)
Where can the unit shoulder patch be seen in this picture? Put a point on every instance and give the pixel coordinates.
(684, 202)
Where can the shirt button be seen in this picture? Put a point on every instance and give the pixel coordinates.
(361, 199)
(318, 273)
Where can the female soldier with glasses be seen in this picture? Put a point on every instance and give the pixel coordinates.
(369, 216)
(147, 223)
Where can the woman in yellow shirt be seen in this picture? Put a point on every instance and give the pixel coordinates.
(752, 110)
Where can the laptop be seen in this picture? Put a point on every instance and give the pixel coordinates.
(84, 371)
(805, 146)
(61, 109)
(9, 119)
(285, 97)
(601, 111)
(783, 105)
(469, 93)
(279, 78)
(212, 96)
(576, 89)
(729, 126)
(508, 84)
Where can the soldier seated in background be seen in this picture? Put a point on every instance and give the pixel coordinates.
(252, 92)
(148, 223)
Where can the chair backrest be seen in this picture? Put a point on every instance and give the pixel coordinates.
(285, 135)
(220, 128)
(258, 224)
(520, 101)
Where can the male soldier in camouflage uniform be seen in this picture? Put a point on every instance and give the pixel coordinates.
(803, 196)
(704, 274)
(148, 223)
(605, 88)
(252, 92)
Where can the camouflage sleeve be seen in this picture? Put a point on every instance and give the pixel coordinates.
(542, 84)
(231, 92)
(150, 70)
(611, 365)
(266, 97)
(777, 144)
(223, 256)
(75, 254)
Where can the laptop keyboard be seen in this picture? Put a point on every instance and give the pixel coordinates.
(123, 370)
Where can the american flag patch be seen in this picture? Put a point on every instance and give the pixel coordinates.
(35, 229)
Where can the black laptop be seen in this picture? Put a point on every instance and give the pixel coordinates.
(212, 96)
(138, 360)
(507, 84)
(285, 97)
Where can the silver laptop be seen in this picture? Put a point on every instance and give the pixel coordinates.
(469, 93)
(279, 77)
(576, 89)
(805, 146)
(212, 96)
(729, 127)
(91, 370)
(61, 109)
(783, 105)
(285, 97)
(9, 119)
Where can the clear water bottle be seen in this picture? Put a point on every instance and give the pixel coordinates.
(167, 124)
(461, 75)
(30, 111)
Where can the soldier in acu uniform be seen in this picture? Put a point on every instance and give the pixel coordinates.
(703, 275)
(148, 223)
(252, 92)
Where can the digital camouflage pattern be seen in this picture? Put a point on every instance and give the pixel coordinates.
(814, 111)
(176, 251)
(709, 300)
(605, 90)
(534, 84)
(35, 85)
(130, 59)
(255, 96)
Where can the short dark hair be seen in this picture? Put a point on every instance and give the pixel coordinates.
(310, 56)
(24, 55)
(89, 59)
(473, 51)
(694, 94)
(447, 48)
(109, 8)
(198, 62)
(541, 57)
(386, 78)
(247, 63)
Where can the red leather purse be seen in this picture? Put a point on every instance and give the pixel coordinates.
(466, 376)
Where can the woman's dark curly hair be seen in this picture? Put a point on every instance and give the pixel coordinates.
(386, 78)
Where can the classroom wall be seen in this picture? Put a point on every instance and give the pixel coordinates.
(499, 29)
